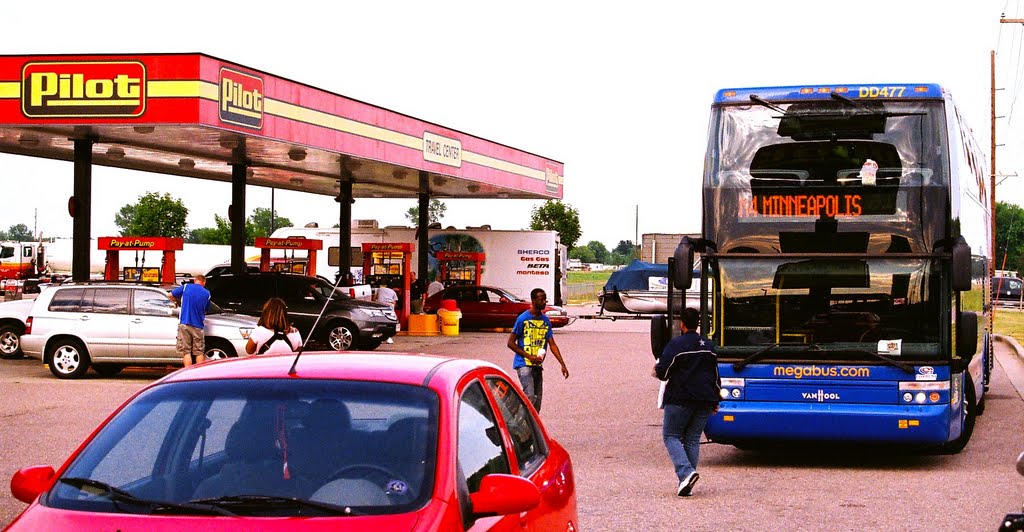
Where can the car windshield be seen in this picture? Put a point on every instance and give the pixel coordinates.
(261, 447)
(326, 289)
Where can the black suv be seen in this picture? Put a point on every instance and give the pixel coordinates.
(346, 323)
(1006, 289)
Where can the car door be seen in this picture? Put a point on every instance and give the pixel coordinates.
(474, 312)
(153, 325)
(532, 459)
(481, 451)
(502, 310)
(104, 322)
(303, 305)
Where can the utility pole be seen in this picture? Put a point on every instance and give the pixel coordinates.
(992, 169)
(1002, 20)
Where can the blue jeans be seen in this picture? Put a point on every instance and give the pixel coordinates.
(532, 380)
(681, 431)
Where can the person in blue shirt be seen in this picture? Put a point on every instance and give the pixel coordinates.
(689, 365)
(193, 299)
(530, 340)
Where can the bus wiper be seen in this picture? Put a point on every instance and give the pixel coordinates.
(273, 501)
(761, 101)
(99, 487)
(869, 110)
(738, 366)
(907, 368)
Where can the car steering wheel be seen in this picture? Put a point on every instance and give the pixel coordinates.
(394, 485)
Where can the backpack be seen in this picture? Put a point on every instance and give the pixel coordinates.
(278, 335)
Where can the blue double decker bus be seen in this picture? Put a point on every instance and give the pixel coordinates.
(845, 265)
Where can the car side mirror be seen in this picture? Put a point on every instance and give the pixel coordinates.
(682, 274)
(961, 266)
(501, 494)
(29, 482)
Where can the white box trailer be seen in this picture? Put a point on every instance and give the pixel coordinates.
(517, 261)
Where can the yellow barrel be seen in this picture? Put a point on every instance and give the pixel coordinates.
(449, 321)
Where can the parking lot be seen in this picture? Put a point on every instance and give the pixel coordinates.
(605, 414)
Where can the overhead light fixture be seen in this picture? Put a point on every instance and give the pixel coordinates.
(439, 181)
(377, 195)
(296, 154)
(186, 163)
(115, 152)
(474, 188)
(295, 180)
(228, 143)
(144, 130)
(503, 195)
(399, 174)
(28, 141)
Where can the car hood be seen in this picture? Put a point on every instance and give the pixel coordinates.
(229, 319)
(39, 517)
(19, 310)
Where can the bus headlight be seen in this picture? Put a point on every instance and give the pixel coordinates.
(732, 388)
(908, 397)
(919, 398)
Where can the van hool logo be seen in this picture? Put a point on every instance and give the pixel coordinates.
(83, 89)
(241, 99)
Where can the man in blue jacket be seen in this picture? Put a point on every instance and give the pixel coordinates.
(690, 366)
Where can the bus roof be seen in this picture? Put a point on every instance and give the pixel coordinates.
(855, 91)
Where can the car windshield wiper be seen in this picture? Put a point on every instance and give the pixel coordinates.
(260, 502)
(99, 487)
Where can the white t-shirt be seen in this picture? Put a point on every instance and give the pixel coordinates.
(387, 296)
(260, 335)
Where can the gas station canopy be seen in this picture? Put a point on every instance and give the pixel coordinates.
(194, 115)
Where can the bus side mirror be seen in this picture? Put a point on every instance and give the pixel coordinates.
(682, 274)
(961, 266)
(967, 336)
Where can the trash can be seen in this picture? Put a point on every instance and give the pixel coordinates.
(450, 315)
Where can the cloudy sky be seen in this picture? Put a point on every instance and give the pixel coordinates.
(618, 91)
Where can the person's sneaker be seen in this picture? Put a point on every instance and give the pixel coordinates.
(686, 485)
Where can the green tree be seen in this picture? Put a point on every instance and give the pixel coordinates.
(153, 215)
(219, 234)
(600, 252)
(435, 211)
(20, 233)
(583, 253)
(615, 258)
(260, 221)
(626, 248)
(1009, 237)
(554, 215)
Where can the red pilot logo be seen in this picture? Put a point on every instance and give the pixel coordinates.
(241, 99)
(83, 89)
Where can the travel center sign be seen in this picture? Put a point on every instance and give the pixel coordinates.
(196, 90)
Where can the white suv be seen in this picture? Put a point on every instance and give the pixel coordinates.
(112, 325)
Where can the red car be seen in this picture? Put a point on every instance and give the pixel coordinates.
(354, 441)
(488, 306)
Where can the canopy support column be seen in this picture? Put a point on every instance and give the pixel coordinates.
(423, 245)
(345, 201)
(236, 212)
(80, 207)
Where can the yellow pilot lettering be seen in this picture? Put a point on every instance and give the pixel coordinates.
(52, 89)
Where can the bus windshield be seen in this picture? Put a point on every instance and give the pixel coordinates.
(876, 167)
(833, 309)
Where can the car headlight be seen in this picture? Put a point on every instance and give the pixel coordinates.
(245, 332)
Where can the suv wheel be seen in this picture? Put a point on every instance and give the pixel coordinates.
(218, 350)
(341, 336)
(68, 359)
(10, 342)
